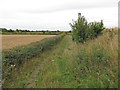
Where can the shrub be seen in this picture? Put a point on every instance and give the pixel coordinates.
(82, 30)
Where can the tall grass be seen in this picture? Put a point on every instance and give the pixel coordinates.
(93, 64)
(98, 62)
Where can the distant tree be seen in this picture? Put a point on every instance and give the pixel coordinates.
(58, 31)
(17, 30)
(43, 32)
(4, 30)
(10, 30)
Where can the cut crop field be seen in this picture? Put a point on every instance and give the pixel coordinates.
(10, 41)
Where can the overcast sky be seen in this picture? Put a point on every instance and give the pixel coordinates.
(55, 14)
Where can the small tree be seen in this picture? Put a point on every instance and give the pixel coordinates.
(79, 28)
(82, 30)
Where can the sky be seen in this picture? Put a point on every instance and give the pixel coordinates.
(55, 14)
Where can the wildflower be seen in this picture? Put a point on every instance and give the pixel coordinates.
(12, 66)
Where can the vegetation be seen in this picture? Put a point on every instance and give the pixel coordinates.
(4, 31)
(82, 30)
(98, 61)
(18, 55)
(70, 65)
(58, 62)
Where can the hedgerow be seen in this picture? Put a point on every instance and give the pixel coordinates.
(82, 30)
(19, 55)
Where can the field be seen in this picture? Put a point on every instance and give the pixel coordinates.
(10, 41)
(65, 64)
(59, 44)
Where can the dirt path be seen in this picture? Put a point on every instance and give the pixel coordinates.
(48, 58)
(48, 73)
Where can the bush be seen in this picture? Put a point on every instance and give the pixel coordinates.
(82, 30)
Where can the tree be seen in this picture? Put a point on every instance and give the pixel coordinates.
(79, 28)
(82, 30)
(4, 30)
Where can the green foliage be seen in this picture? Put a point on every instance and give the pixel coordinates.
(5, 31)
(97, 65)
(18, 55)
(94, 68)
(82, 30)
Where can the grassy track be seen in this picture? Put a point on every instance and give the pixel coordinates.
(68, 65)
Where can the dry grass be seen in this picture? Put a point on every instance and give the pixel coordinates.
(10, 41)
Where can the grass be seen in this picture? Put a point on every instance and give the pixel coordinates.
(102, 57)
(93, 64)
(19, 55)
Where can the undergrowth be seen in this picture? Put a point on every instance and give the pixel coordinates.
(97, 62)
(18, 55)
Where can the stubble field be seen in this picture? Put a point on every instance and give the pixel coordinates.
(10, 41)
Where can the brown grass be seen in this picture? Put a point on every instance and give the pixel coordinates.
(10, 41)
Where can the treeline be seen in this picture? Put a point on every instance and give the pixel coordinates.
(19, 30)
(82, 30)
(37, 32)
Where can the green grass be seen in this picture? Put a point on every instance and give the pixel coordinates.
(18, 55)
(93, 64)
